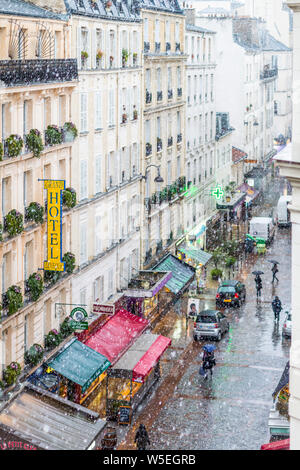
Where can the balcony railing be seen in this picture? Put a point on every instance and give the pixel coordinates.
(159, 144)
(170, 141)
(157, 47)
(170, 94)
(148, 149)
(32, 72)
(159, 96)
(179, 138)
(168, 46)
(146, 47)
(269, 73)
(148, 97)
(179, 92)
(177, 47)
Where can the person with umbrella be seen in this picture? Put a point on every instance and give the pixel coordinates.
(258, 282)
(277, 307)
(142, 438)
(208, 360)
(274, 270)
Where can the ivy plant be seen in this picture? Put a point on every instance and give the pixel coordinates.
(69, 259)
(34, 142)
(35, 213)
(69, 198)
(34, 354)
(14, 145)
(13, 223)
(12, 299)
(11, 373)
(34, 286)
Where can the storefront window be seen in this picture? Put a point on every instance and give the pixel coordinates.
(150, 305)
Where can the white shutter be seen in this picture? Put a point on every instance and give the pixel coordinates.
(98, 122)
(79, 47)
(83, 242)
(94, 48)
(83, 112)
(98, 232)
(98, 174)
(83, 179)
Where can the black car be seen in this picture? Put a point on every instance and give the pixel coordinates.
(230, 293)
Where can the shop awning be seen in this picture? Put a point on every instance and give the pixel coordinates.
(79, 363)
(251, 193)
(142, 356)
(284, 380)
(181, 272)
(197, 255)
(117, 334)
(283, 444)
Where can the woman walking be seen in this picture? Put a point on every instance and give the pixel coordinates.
(142, 438)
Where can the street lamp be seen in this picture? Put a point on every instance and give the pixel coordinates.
(158, 178)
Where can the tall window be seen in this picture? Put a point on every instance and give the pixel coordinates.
(98, 174)
(111, 107)
(83, 112)
(169, 78)
(98, 231)
(99, 288)
(98, 110)
(83, 242)
(83, 180)
(110, 282)
(6, 195)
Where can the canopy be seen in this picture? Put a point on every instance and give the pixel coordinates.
(251, 192)
(143, 355)
(283, 444)
(79, 363)
(198, 255)
(117, 334)
(182, 273)
(283, 381)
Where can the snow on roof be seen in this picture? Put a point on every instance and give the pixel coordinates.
(21, 8)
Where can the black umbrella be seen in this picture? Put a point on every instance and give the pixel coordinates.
(273, 261)
(257, 273)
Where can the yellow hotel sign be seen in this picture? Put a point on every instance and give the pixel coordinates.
(54, 236)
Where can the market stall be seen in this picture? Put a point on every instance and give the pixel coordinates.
(143, 293)
(130, 379)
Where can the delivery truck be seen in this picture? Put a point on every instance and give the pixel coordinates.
(283, 213)
(262, 227)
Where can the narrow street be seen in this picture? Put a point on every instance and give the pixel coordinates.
(231, 410)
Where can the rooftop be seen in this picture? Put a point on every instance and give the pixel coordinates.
(21, 8)
(198, 29)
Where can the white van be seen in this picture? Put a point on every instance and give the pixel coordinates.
(283, 213)
(262, 227)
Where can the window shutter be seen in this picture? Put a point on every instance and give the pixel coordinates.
(79, 47)
(83, 243)
(98, 174)
(98, 111)
(97, 234)
(83, 179)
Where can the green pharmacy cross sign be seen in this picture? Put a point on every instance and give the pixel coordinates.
(78, 319)
(217, 192)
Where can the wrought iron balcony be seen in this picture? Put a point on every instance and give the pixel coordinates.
(148, 97)
(31, 72)
(168, 46)
(179, 138)
(170, 141)
(179, 92)
(269, 73)
(177, 47)
(148, 149)
(159, 144)
(146, 47)
(170, 94)
(159, 96)
(157, 47)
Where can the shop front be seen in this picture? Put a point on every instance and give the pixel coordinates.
(213, 233)
(143, 294)
(279, 414)
(131, 378)
(233, 216)
(197, 258)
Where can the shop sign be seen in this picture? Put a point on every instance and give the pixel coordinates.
(78, 319)
(124, 415)
(54, 225)
(103, 309)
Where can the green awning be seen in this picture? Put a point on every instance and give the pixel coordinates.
(181, 272)
(198, 255)
(80, 364)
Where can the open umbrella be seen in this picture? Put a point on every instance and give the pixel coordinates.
(257, 273)
(273, 261)
(209, 348)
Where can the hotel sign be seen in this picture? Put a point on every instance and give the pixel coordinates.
(103, 309)
(54, 229)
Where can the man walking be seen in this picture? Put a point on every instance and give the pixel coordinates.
(258, 283)
(275, 271)
(277, 307)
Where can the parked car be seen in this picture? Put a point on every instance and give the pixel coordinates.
(283, 213)
(287, 325)
(230, 293)
(210, 323)
(262, 227)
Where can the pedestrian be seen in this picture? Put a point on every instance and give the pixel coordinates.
(275, 271)
(142, 438)
(277, 307)
(258, 283)
(208, 363)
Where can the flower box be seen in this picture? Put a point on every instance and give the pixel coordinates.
(34, 212)
(34, 286)
(12, 300)
(69, 259)
(34, 142)
(70, 132)
(34, 355)
(69, 198)
(14, 145)
(53, 135)
(13, 223)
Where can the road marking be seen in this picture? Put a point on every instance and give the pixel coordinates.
(266, 368)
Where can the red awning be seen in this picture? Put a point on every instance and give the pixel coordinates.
(117, 335)
(284, 444)
(150, 358)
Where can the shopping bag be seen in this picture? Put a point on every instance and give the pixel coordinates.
(202, 371)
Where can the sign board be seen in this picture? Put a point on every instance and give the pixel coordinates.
(124, 415)
(196, 302)
(103, 309)
(78, 319)
(54, 225)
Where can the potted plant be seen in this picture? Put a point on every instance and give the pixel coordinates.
(124, 115)
(134, 57)
(111, 59)
(34, 286)
(69, 259)
(70, 131)
(11, 373)
(108, 4)
(34, 142)
(1, 232)
(1, 151)
(84, 57)
(13, 223)
(135, 113)
(34, 355)
(51, 277)
(52, 339)
(125, 55)
(216, 274)
(69, 198)
(53, 135)
(12, 299)
(99, 56)
(14, 145)
(65, 329)
(34, 212)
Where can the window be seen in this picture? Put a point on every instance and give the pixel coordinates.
(27, 116)
(83, 180)
(27, 188)
(169, 173)
(98, 110)
(6, 120)
(83, 242)
(83, 296)
(99, 289)
(111, 107)
(178, 166)
(110, 282)
(98, 231)
(83, 112)
(47, 112)
(6, 271)
(25, 333)
(6, 195)
(98, 174)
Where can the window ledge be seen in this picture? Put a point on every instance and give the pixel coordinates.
(82, 133)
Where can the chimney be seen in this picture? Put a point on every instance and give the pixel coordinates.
(57, 6)
(190, 14)
(247, 30)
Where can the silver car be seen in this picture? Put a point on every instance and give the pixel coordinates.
(210, 323)
(287, 325)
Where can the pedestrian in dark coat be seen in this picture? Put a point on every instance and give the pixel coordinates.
(277, 307)
(142, 438)
(275, 271)
(258, 283)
